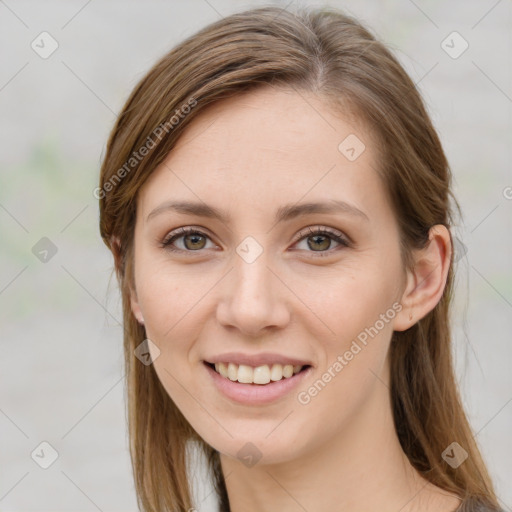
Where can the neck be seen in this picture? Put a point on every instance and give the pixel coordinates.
(361, 468)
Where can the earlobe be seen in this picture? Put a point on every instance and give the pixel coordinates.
(137, 312)
(427, 281)
(115, 247)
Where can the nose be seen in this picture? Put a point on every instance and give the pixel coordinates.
(254, 298)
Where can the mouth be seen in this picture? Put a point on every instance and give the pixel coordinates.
(259, 375)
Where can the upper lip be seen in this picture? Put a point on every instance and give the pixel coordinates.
(256, 359)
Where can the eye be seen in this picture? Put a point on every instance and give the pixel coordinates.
(319, 240)
(193, 240)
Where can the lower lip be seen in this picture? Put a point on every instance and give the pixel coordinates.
(256, 394)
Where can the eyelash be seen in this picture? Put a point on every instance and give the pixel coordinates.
(181, 232)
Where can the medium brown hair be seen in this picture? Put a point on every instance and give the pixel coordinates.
(332, 55)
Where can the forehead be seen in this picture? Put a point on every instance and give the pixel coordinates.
(285, 123)
(279, 145)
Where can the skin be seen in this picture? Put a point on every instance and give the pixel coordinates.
(250, 155)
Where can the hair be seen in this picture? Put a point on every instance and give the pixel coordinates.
(330, 54)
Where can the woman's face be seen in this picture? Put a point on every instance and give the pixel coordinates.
(269, 284)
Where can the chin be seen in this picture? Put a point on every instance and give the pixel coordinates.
(255, 445)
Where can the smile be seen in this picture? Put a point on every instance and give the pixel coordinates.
(263, 374)
(256, 385)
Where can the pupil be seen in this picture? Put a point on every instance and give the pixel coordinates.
(317, 237)
(194, 239)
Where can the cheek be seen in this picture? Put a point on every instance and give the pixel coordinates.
(349, 299)
(354, 358)
(167, 296)
(363, 325)
(169, 300)
(340, 393)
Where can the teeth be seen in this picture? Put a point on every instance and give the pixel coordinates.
(259, 375)
(245, 374)
(277, 372)
(232, 373)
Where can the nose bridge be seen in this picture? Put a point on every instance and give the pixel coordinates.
(252, 277)
(253, 298)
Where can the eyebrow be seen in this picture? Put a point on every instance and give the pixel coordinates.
(284, 213)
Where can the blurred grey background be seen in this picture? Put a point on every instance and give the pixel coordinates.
(66, 69)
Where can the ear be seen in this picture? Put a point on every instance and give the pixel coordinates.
(134, 303)
(427, 280)
(115, 245)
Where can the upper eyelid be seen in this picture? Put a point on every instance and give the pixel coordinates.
(313, 230)
(303, 233)
(185, 230)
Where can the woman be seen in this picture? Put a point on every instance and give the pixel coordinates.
(277, 202)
